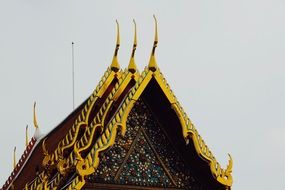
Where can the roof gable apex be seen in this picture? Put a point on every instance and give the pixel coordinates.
(118, 124)
(188, 129)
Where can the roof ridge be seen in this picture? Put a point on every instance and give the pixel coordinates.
(101, 113)
(21, 162)
(106, 79)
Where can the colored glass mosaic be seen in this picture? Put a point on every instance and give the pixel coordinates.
(144, 156)
(143, 168)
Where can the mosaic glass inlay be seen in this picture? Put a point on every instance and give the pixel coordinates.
(144, 157)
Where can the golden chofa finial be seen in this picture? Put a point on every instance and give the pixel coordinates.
(37, 134)
(14, 158)
(35, 116)
(27, 136)
(115, 64)
(132, 65)
(152, 62)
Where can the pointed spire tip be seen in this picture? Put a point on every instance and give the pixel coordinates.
(115, 64)
(118, 32)
(156, 34)
(27, 137)
(132, 65)
(14, 157)
(152, 62)
(35, 116)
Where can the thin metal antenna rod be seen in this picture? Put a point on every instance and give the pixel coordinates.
(72, 44)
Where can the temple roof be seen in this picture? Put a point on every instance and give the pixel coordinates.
(71, 150)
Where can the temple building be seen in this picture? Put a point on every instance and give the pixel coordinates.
(130, 133)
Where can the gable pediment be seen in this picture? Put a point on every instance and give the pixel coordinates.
(144, 157)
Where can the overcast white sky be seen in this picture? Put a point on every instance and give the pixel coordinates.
(224, 60)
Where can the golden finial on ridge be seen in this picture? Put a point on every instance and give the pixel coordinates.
(132, 65)
(115, 64)
(152, 62)
(27, 136)
(14, 158)
(35, 116)
(37, 134)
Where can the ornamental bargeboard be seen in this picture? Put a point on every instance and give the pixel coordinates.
(130, 133)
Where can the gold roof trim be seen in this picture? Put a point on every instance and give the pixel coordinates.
(126, 77)
(190, 132)
(105, 141)
(70, 138)
(83, 118)
(81, 163)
